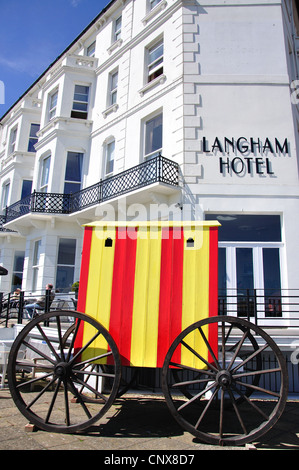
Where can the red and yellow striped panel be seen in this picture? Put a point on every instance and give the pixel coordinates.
(149, 285)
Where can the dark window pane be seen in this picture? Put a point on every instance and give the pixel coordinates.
(245, 300)
(71, 188)
(66, 251)
(222, 280)
(244, 269)
(250, 228)
(64, 278)
(73, 170)
(26, 188)
(19, 261)
(153, 138)
(272, 282)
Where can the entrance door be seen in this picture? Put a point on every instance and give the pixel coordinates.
(249, 265)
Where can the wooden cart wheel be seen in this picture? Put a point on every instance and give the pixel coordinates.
(45, 372)
(230, 350)
(234, 395)
(124, 385)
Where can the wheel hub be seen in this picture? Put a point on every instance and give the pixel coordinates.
(224, 378)
(61, 370)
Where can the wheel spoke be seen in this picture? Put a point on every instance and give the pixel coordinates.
(92, 359)
(92, 389)
(237, 411)
(35, 379)
(85, 347)
(40, 394)
(252, 356)
(200, 394)
(210, 401)
(184, 367)
(209, 347)
(257, 372)
(48, 342)
(60, 336)
(237, 349)
(221, 414)
(223, 341)
(39, 352)
(66, 404)
(259, 389)
(74, 337)
(199, 356)
(191, 382)
(80, 399)
(251, 403)
(53, 401)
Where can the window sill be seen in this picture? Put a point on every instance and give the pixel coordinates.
(157, 81)
(114, 46)
(151, 14)
(110, 109)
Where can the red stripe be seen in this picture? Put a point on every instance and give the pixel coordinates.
(213, 286)
(171, 288)
(122, 295)
(83, 281)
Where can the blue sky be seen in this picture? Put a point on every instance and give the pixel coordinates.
(33, 33)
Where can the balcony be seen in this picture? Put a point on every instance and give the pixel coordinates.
(156, 170)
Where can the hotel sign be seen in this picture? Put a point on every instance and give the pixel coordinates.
(252, 156)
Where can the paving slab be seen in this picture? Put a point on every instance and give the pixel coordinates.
(134, 423)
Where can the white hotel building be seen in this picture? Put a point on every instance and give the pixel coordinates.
(180, 109)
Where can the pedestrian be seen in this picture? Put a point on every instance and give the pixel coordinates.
(40, 302)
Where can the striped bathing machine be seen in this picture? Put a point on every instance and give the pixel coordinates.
(146, 282)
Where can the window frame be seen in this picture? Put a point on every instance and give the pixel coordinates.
(5, 194)
(33, 139)
(23, 188)
(52, 104)
(43, 187)
(80, 113)
(154, 67)
(153, 4)
(109, 161)
(15, 272)
(158, 151)
(69, 181)
(13, 139)
(66, 265)
(36, 262)
(117, 28)
(90, 50)
(112, 93)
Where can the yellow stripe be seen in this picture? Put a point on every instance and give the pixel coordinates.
(99, 286)
(146, 298)
(195, 291)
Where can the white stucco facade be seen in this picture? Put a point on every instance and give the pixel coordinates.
(221, 104)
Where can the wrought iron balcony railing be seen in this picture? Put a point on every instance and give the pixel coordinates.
(155, 170)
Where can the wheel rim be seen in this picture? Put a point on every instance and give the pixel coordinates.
(232, 397)
(48, 370)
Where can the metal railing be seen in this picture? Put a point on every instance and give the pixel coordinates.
(155, 170)
(13, 310)
(267, 307)
(261, 307)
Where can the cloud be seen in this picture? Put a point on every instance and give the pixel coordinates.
(75, 3)
(32, 61)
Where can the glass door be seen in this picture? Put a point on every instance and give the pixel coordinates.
(245, 282)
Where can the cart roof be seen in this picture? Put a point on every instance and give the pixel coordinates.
(153, 223)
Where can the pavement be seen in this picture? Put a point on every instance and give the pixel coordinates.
(133, 424)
